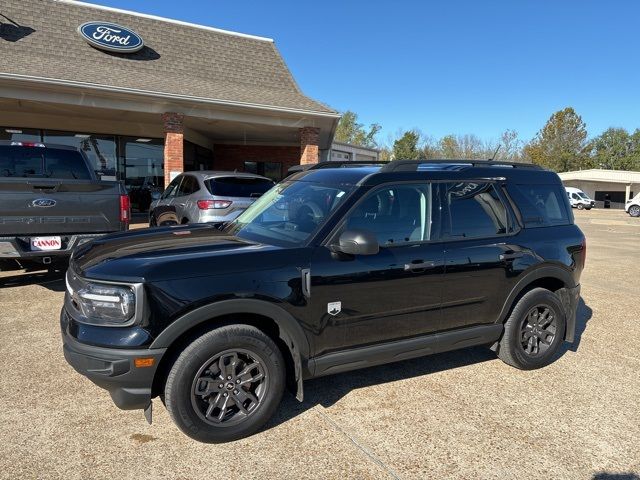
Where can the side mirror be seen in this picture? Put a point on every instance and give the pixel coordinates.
(358, 242)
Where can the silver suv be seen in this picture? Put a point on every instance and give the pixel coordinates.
(207, 196)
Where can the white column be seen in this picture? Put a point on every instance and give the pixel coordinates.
(627, 193)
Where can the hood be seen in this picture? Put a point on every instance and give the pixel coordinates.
(164, 253)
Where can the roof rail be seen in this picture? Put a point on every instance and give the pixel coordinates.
(334, 164)
(413, 165)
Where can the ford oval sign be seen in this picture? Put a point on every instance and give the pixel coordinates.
(43, 202)
(111, 37)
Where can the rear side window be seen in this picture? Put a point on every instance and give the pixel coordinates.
(238, 186)
(16, 161)
(541, 205)
(476, 210)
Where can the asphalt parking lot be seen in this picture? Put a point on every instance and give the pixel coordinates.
(462, 414)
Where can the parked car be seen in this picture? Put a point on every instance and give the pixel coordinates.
(206, 197)
(578, 199)
(52, 201)
(632, 207)
(331, 270)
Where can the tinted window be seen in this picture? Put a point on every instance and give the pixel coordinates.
(170, 191)
(238, 186)
(188, 186)
(396, 215)
(475, 210)
(541, 205)
(28, 161)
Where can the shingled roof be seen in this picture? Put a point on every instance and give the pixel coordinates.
(38, 38)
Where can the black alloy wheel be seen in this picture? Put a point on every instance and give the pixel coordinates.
(538, 330)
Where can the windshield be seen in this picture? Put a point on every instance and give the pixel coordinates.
(583, 195)
(289, 213)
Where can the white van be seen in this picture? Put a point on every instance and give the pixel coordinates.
(579, 199)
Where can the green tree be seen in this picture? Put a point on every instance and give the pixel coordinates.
(561, 145)
(449, 147)
(406, 147)
(616, 149)
(350, 131)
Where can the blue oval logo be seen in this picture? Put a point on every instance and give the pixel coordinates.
(43, 202)
(111, 37)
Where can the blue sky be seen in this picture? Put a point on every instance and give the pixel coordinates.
(455, 66)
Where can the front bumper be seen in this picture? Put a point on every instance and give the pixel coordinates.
(113, 369)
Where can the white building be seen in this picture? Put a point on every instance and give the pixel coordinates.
(619, 185)
(342, 152)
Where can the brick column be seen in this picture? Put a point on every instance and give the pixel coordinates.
(309, 145)
(173, 144)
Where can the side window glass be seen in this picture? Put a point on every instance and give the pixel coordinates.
(541, 204)
(475, 210)
(170, 191)
(396, 215)
(187, 187)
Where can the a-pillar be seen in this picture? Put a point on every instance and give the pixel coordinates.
(309, 145)
(173, 145)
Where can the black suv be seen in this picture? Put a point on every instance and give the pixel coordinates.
(331, 270)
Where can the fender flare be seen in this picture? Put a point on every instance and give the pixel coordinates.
(546, 271)
(289, 328)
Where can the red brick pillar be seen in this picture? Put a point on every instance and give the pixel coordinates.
(173, 144)
(309, 145)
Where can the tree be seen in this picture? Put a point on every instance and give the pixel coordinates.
(561, 145)
(406, 147)
(350, 131)
(616, 149)
(510, 147)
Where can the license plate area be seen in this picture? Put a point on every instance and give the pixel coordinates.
(46, 243)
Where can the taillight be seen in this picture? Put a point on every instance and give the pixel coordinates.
(125, 208)
(211, 204)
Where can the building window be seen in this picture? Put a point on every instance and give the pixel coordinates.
(272, 170)
(142, 169)
(100, 149)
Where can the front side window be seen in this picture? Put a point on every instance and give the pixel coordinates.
(188, 186)
(289, 213)
(397, 214)
(171, 189)
(475, 210)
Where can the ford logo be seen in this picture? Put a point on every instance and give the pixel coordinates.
(111, 37)
(43, 202)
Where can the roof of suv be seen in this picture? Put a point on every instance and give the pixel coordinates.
(205, 174)
(375, 173)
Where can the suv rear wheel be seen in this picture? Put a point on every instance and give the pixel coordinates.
(226, 384)
(534, 331)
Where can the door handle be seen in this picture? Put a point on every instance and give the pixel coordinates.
(418, 265)
(511, 255)
(305, 274)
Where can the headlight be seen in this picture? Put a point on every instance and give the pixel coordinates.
(107, 302)
(101, 303)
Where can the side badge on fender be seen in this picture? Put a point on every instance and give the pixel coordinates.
(334, 308)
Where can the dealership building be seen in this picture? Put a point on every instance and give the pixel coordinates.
(617, 186)
(147, 97)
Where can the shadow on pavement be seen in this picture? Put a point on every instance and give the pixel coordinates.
(328, 390)
(53, 281)
(615, 476)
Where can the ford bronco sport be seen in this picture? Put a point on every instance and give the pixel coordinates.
(331, 270)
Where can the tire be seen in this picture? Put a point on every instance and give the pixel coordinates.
(580, 206)
(190, 401)
(166, 218)
(524, 327)
(634, 210)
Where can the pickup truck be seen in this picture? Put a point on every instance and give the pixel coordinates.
(51, 201)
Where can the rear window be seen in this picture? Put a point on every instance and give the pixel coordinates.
(238, 186)
(541, 205)
(18, 161)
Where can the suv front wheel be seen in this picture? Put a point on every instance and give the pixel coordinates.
(226, 384)
(534, 331)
